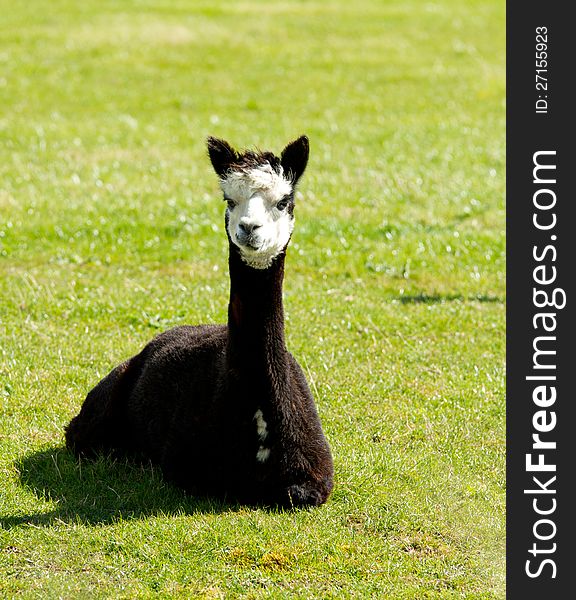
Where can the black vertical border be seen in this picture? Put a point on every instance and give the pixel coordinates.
(528, 132)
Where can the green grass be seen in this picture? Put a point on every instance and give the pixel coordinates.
(111, 231)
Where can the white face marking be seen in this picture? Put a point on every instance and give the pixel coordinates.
(256, 225)
(261, 425)
(262, 454)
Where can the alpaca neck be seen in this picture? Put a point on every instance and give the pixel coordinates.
(255, 314)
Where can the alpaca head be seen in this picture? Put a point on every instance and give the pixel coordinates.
(259, 190)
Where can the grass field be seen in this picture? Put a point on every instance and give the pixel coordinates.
(111, 230)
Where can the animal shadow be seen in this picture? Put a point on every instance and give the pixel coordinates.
(100, 491)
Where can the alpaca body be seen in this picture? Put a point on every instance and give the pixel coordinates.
(206, 436)
(224, 410)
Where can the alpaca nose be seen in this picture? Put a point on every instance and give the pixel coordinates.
(248, 228)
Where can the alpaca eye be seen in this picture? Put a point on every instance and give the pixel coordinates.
(231, 203)
(282, 204)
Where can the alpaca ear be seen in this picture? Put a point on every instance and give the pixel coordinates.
(295, 157)
(222, 155)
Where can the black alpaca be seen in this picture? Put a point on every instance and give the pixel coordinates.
(225, 410)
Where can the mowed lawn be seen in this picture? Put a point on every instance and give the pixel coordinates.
(111, 231)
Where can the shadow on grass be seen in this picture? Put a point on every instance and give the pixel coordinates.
(101, 491)
(440, 298)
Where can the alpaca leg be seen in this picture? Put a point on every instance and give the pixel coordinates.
(100, 426)
(309, 493)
